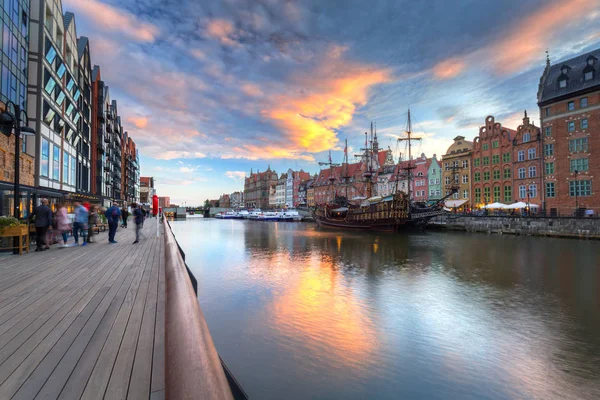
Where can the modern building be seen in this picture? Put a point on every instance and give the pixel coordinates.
(164, 201)
(569, 101)
(256, 188)
(146, 189)
(434, 176)
(15, 53)
(456, 174)
(59, 102)
(130, 179)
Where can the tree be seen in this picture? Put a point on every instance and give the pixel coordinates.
(206, 203)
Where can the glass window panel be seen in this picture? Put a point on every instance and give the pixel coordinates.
(61, 70)
(77, 94)
(56, 163)
(50, 54)
(60, 98)
(45, 157)
(65, 167)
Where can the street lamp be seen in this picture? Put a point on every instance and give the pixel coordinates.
(576, 198)
(528, 206)
(8, 122)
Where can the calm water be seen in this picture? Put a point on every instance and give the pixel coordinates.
(302, 313)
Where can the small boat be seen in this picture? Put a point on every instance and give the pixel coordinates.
(254, 214)
(290, 215)
(269, 216)
(243, 214)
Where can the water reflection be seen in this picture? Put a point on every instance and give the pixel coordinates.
(301, 313)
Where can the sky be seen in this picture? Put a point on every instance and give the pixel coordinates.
(210, 90)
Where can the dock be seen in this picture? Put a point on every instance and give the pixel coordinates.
(85, 322)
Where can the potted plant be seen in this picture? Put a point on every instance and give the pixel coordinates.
(11, 226)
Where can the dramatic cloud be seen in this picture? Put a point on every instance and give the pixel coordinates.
(449, 68)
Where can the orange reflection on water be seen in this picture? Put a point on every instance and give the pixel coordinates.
(318, 310)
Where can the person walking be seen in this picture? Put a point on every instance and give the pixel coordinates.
(80, 224)
(124, 216)
(63, 224)
(43, 219)
(139, 221)
(112, 215)
(92, 220)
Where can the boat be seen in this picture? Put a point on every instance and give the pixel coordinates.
(243, 214)
(268, 216)
(389, 213)
(254, 214)
(290, 215)
(227, 215)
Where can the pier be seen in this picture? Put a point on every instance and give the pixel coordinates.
(89, 322)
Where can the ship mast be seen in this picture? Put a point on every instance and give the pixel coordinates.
(410, 166)
(345, 177)
(331, 177)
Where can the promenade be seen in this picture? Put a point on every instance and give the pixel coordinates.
(84, 322)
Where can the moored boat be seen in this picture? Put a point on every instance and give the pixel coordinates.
(268, 216)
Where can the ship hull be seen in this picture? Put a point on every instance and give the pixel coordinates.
(378, 226)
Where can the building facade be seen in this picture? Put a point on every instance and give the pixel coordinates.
(434, 177)
(456, 172)
(280, 191)
(146, 189)
(236, 200)
(130, 170)
(225, 201)
(420, 181)
(569, 102)
(164, 201)
(310, 193)
(527, 160)
(256, 188)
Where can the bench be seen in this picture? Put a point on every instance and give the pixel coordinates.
(100, 227)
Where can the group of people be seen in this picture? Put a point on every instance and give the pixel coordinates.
(85, 218)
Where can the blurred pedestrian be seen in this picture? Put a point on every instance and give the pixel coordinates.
(124, 216)
(112, 217)
(92, 221)
(62, 222)
(43, 219)
(138, 219)
(80, 225)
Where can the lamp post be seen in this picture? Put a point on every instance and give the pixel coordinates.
(576, 198)
(528, 207)
(8, 122)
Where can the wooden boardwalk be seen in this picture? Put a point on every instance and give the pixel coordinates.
(84, 322)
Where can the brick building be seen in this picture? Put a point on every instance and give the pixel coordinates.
(299, 177)
(527, 165)
(257, 188)
(569, 101)
(420, 188)
(146, 189)
(457, 171)
(225, 201)
(164, 201)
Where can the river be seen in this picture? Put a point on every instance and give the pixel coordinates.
(302, 313)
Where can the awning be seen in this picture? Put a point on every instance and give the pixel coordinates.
(374, 199)
(520, 205)
(495, 206)
(341, 209)
(454, 203)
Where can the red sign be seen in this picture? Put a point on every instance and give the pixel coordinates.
(154, 204)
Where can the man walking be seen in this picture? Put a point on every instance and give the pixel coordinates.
(124, 216)
(139, 221)
(80, 224)
(112, 215)
(43, 219)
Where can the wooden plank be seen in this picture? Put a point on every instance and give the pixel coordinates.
(91, 374)
(141, 375)
(158, 360)
(20, 365)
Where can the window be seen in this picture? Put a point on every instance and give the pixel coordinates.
(571, 106)
(577, 145)
(60, 98)
(547, 111)
(465, 179)
(477, 195)
(521, 173)
(532, 190)
(548, 130)
(583, 102)
(433, 171)
(562, 83)
(496, 174)
(23, 60)
(455, 195)
(584, 123)
(437, 192)
(522, 191)
(506, 157)
(432, 193)
(61, 69)
(15, 11)
(486, 160)
(50, 54)
(486, 175)
(477, 162)
(521, 155)
(50, 85)
(571, 126)
(465, 194)
(588, 76)
(49, 113)
(549, 168)
(550, 189)
(431, 181)
(73, 176)
(465, 163)
(495, 144)
(14, 50)
(486, 194)
(532, 171)
(496, 193)
(65, 167)
(549, 149)
(526, 137)
(477, 176)
(447, 180)
(531, 154)
(496, 159)
(507, 173)
(437, 181)
(56, 163)
(45, 157)
(579, 164)
(485, 146)
(24, 20)
(507, 193)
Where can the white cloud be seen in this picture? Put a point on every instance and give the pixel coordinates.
(235, 174)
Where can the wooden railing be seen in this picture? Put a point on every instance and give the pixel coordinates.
(193, 369)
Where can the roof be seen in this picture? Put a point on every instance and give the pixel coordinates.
(81, 43)
(575, 67)
(67, 18)
(95, 72)
(460, 145)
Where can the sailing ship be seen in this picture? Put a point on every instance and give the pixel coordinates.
(377, 213)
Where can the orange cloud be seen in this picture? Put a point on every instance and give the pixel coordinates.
(252, 90)
(113, 19)
(449, 68)
(222, 30)
(139, 122)
(530, 38)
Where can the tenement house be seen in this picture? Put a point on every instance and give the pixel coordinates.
(569, 101)
(457, 173)
(527, 165)
(257, 188)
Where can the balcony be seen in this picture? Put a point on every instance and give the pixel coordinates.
(108, 128)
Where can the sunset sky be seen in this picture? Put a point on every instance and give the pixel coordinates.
(211, 89)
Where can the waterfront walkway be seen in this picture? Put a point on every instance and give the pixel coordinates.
(84, 322)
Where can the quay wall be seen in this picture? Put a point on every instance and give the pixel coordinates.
(587, 228)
